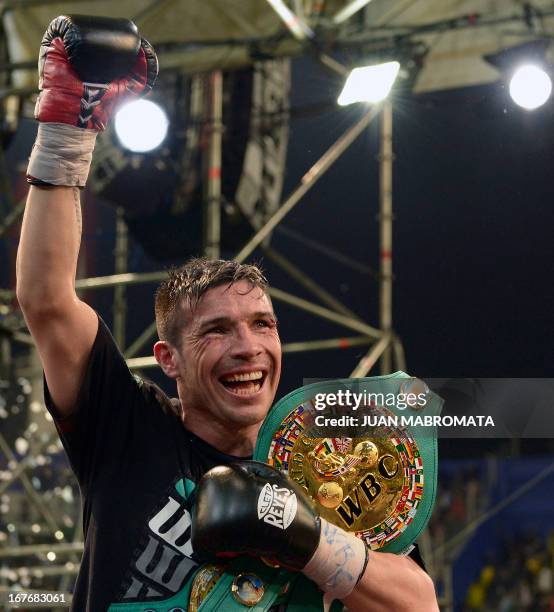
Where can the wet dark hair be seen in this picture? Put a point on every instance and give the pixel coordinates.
(190, 282)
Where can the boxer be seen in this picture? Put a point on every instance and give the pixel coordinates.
(168, 484)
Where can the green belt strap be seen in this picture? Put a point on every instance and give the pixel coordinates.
(302, 595)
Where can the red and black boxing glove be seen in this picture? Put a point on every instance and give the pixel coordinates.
(250, 508)
(89, 64)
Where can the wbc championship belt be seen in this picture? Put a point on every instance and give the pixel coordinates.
(364, 450)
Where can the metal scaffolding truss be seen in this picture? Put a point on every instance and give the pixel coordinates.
(382, 338)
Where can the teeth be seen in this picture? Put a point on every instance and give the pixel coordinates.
(243, 377)
(252, 388)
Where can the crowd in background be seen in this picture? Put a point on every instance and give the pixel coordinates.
(518, 578)
(517, 574)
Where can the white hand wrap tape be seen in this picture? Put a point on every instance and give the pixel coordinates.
(62, 154)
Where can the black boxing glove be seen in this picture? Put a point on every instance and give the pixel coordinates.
(251, 508)
(87, 66)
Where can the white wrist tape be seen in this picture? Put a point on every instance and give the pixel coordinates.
(62, 154)
(338, 562)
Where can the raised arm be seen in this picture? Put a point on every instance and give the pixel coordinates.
(87, 65)
(62, 326)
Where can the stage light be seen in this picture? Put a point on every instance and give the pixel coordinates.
(530, 86)
(369, 84)
(526, 70)
(141, 126)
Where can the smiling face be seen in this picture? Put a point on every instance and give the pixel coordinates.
(228, 362)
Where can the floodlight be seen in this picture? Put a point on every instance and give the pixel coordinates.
(369, 84)
(141, 126)
(530, 86)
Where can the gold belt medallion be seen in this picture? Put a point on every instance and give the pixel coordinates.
(370, 483)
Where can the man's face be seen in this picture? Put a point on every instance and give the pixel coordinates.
(229, 360)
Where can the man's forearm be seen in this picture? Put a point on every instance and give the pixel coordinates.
(368, 581)
(49, 246)
(391, 582)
